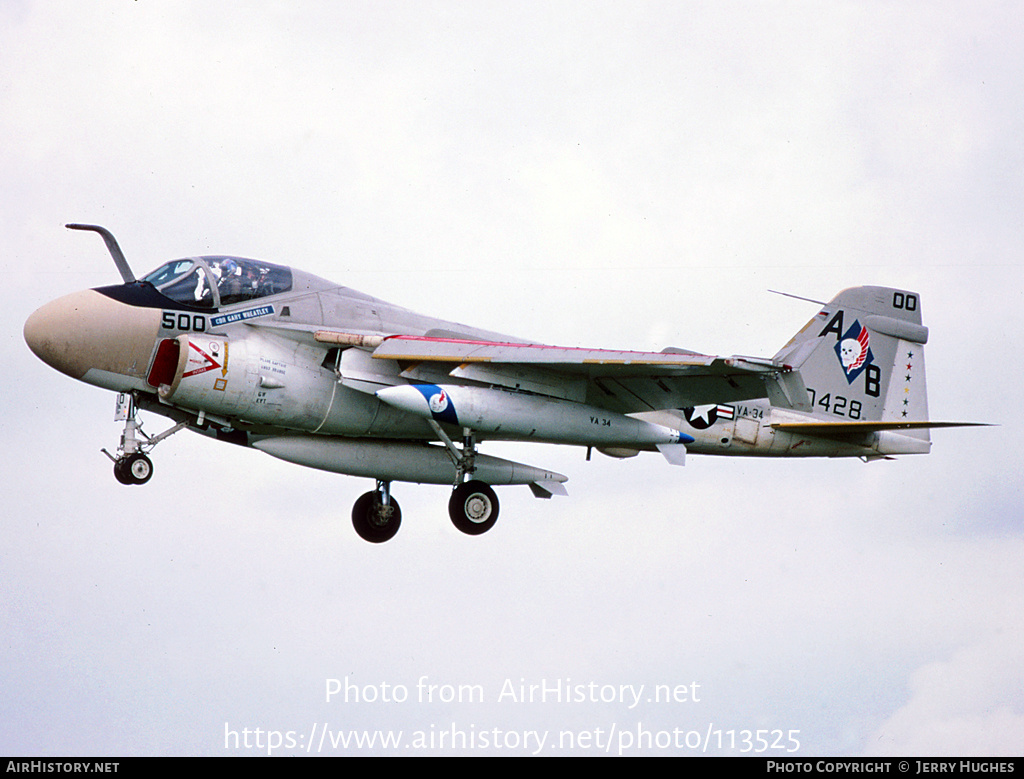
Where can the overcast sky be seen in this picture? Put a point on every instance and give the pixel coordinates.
(622, 175)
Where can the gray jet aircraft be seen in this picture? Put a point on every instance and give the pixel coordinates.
(267, 356)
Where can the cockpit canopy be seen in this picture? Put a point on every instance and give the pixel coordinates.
(212, 282)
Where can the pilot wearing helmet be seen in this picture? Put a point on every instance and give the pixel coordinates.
(230, 282)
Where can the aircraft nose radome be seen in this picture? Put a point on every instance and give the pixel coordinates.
(88, 330)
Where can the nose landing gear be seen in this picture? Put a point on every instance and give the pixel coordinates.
(131, 464)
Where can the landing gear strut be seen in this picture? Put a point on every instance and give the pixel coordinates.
(473, 506)
(376, 516)
(131, 464)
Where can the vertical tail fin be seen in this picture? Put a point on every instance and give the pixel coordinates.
(861, 359)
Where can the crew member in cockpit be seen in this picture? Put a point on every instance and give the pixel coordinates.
(230, 282)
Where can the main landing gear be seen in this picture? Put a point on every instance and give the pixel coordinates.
(473, 506)
(376, 516)
(131, 464)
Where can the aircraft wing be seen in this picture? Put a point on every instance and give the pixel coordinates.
(622, 381)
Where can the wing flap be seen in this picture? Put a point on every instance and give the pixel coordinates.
(524, 378)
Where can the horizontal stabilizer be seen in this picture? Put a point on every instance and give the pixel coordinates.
(829, 429)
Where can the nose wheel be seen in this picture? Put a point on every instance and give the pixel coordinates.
(133, 469)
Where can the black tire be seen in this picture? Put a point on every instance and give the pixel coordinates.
(473, 507)
(138, 468)
(120, 473)
(369, 522)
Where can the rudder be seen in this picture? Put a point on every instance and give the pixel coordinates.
(861, 358)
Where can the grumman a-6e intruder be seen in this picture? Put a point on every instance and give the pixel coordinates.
(268, 356)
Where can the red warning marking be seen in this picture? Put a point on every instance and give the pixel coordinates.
(211, 364)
